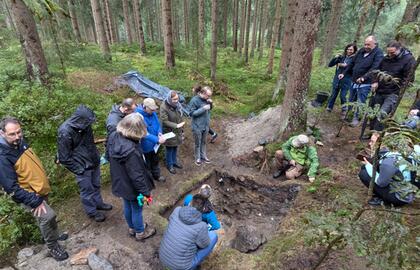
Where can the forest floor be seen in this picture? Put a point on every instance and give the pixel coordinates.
(243, 195)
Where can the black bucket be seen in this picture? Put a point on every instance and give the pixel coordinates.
(321, 98)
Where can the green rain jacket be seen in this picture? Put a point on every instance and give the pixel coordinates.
(305, 156)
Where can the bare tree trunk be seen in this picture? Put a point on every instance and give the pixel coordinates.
(379, 7)
(150, 22)
(332, 29)
(213, 59)
(139, 26)
(74, 22)
(274, 36)
(109, 22)
(27, 28)
(200, 26)
(167, 36)
(243, 19)
(100, 30)
(186, 22)
(127, 22)
(159, 21)
(225, 22)
(254, 30)
(286, 46)
(362, 20)
(264, 19)
(105, 21)
(293, 114)
(235, 25)
(247, 29)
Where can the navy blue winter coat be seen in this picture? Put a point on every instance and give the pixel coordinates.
(362, 65)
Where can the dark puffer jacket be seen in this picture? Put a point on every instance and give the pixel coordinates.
(114, 117)
(128, 171)
(76, 147)
(398, 67)
(186, 233)
(362, 65)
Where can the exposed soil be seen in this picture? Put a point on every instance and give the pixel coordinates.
(245, 194)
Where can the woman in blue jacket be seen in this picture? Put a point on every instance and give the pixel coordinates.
(153, 137)
(341, 86)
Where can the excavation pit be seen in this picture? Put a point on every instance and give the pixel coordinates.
(249, 212)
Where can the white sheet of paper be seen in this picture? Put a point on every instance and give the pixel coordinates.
(168, 135)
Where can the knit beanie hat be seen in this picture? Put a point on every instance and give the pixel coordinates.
(205, 190)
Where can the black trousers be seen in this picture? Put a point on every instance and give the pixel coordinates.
(382, 192)
(152, 162)
(387, 104)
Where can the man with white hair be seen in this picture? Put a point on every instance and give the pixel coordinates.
(366, 60)
(295, 156)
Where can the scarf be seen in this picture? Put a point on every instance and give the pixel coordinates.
(177, 106)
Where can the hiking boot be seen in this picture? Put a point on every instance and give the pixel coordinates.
(329, 110)
(147, 233)
(375, 201)
(206, 160)
(213, 137)
(198, 162)
(131, 232)
(171, 170)
(58, 253)
(355, 122)
(104, 207)
(63, 237)
(177, 165)
(98, 217)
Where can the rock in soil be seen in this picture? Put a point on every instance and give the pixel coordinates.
(82, 257)
(248, 239)
(97, 263)
(25, 254)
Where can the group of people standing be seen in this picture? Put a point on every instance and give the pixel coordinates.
(134, 134)
(358, 71)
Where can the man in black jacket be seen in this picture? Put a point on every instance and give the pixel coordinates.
(118, 112)
(366, 59)
(397, 63)
(78, 153)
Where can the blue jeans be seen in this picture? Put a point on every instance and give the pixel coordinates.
(170, 155)
(133, 214)
(339, 86)
(89, 183)
(358, 94)
(203, 253)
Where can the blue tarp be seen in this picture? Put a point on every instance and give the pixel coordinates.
(147, 88)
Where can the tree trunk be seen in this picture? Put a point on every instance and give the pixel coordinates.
(128, 29)
(274, 36)
(167, 36)
(200, 26)
(225, 22)
(411, 13)
(264, 20)
(159, 20)
(213, 59)
(286, 46)
(186, 22)
(254, 30)
(139, 26)
(379, 6)
(105, 21)
(362, 20)
(109, 22)
(150, 22)
(235, 25)
(74, 22)
(247, 29)
(332, 30)
(243, 19)
(293, 113)
(100, 30)
(27, 28)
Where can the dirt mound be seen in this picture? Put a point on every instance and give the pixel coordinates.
(243, 135)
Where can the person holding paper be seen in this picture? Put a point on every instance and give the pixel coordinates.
(153, 138)
(171, 117)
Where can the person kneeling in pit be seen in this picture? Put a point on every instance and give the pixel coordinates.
(295, 156)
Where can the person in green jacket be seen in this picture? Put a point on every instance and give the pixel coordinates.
(295, 156)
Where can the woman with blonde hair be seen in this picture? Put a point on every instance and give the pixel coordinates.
(129, 175)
